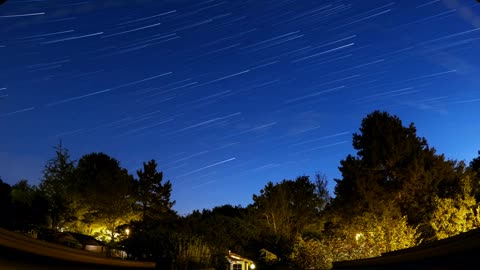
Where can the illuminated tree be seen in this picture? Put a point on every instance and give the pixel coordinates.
(456, 215)
(269, 258)
(392, 162)
(363, 236)
(310, 254)
(106, 191)
(387, 154)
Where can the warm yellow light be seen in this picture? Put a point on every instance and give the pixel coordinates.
(358, 236)
(252, 266)
(127, 231)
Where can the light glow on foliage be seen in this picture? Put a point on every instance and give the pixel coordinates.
(457, 215)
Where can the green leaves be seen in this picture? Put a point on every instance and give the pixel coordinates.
(456, 215)
(105, 192)
(394, 164)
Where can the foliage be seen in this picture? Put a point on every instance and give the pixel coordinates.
(394, 193)
(29, 207)
(267, 257)
(310, 254)
(106, 193)
(393, 162)
(287, 207)
(56, 184)
(456, 215)
(151, 193)
(191, 251)
(366, 235)
(222, 228)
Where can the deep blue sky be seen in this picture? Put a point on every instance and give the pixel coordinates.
(227, 95)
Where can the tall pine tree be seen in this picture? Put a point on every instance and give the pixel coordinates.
(153, 195)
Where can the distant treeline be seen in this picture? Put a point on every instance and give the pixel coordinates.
(396, 192)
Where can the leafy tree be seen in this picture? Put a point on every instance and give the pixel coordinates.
(191, 251)
(56, 184)
(308, 254)
(223, 228)
(349, 238)
(287, 207)
(106, 191)
(452, 217)
(283, 210)
(29, 207)
(456, 215)
(393, 162)
(386, 152)
(153, 195)
(154, 241)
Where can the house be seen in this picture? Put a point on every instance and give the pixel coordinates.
(237, 262)
(66, 239)
(118, 253)
(79, 241)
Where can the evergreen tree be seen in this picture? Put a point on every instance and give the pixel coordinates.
(153, 195)
(56, 184)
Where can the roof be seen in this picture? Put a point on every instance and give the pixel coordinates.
(66, 238)
(235, 257)
(32, 248)
(86, 239)
(83, 239)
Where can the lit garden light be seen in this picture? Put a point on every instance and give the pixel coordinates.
(252, 266)
(127, 231)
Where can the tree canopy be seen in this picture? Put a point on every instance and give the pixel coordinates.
(106, 190)
(394, 165)
(153, 195)
(56, 184)
(394, 192)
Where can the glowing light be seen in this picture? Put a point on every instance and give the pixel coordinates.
(358, 236)
(252, 266)
(127, 231)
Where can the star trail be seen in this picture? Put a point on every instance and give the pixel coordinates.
(227, 95)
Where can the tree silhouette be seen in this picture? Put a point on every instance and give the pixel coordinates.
(153, 195)
(56, 184)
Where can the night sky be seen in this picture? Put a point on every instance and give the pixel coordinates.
(227, 95)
